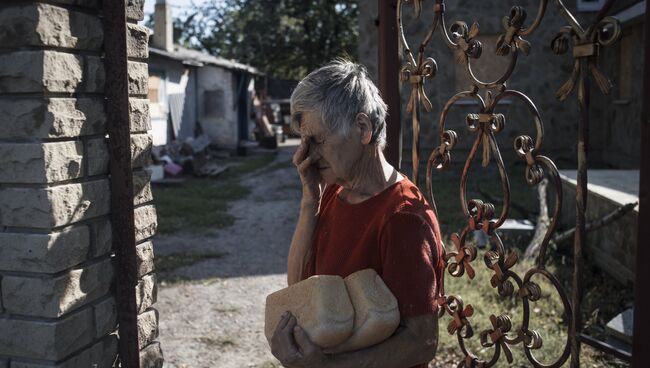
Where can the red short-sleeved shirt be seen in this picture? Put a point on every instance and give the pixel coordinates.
(395, 232)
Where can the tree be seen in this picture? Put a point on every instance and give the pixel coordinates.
(284, 38)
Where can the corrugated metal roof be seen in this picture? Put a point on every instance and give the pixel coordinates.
(195, 57)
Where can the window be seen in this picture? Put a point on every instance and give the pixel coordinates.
(590, 5)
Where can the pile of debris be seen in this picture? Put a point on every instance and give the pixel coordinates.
(194, 156)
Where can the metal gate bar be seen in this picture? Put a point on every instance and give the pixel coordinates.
(641, 338)
(389, 79)
(121, 178)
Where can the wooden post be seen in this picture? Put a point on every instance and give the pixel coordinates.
(389, 78)
(122, 215)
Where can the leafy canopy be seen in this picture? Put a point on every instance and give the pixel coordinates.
(283, 38)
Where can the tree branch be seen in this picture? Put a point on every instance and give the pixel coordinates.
(543, 222)
(597, 224)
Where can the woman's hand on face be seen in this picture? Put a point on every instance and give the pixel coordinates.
(292, 347)
(306, 160)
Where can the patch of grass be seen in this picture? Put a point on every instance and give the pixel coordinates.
(546, 317)
(170, 262)
(198, 204)
(201, 204)
(546, 314)
(247, 164)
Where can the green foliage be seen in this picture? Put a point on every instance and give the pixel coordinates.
(283, 38)
(197, 204)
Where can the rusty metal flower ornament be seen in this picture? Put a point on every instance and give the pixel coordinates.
(440, 157)
(460, 260)
(494, 261)
(513, 25)
(525, 149)
(586, 46)
(501, 325)
(463, 36)
(453, 305)
(416, 74)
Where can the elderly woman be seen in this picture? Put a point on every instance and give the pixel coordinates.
(357, 211)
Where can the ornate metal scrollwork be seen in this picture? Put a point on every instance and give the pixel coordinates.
(485, 124)
(604, 32)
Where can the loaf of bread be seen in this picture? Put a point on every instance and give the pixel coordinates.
(337, 315)
(376, 315)
(321, 306)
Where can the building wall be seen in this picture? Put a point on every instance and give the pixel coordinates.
(217, 108)
(176, 78)
(538, 75)
(616, 127)
(190, 112)
(57, 302)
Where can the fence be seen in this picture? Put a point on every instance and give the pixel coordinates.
(485, 125)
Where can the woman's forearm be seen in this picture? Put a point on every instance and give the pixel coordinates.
(412, 344)
(301, 241)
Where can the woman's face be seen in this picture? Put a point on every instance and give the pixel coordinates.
(338, 154)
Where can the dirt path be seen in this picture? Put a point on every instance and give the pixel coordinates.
(216, 317)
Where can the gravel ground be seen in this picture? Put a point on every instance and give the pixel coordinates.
(216, 317)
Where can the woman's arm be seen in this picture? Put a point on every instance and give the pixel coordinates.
(304, 159)
(301, 241)
(414, 342)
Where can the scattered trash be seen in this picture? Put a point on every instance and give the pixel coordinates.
(192, 146)
(196, 156)
(173, 169)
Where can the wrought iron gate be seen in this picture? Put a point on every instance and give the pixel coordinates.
(484, 125)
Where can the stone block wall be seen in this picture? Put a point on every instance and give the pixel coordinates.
(57, 303)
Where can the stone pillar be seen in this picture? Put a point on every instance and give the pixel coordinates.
(57, 305)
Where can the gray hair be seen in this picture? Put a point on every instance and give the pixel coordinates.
(339, 91)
